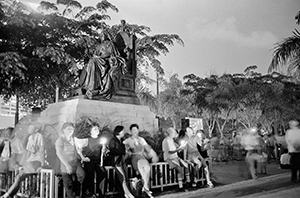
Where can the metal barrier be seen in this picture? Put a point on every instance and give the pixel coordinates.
(47, 184)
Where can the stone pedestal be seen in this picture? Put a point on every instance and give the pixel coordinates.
(108, 113)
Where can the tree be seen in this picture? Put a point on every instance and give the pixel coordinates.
(198, 89)
(249, 99)
(42, 50)
(287, 52)
(172, 104)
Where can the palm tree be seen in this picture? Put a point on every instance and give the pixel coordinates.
(287, 52)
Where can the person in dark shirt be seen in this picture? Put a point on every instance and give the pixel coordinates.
(117, 153)
(90, 149)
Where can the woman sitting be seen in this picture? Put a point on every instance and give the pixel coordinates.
(138, 146)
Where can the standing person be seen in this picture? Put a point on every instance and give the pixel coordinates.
(236, 144)
(251, 143)
(90, 154)
(117, 152)
(138, 146)
(35, 147)
(262, 151)
(170, 150)
(292, 138)
(70, 164)
(5, 149)
(31, 160)
(271, 142)
(194, 156)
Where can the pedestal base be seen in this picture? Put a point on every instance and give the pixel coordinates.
(108, 113)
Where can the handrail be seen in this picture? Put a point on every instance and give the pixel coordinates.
(46, 183)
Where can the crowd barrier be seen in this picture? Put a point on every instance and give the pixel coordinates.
(48, 185)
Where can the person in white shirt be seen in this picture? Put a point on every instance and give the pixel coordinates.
(170, 149)
(251, 143)
(285, 160)
(292, 138)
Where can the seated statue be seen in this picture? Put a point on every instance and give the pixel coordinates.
(98, 76)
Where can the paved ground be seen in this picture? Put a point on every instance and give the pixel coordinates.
(235, 171)
(232, 180)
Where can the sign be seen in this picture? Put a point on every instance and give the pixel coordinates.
(195, 123)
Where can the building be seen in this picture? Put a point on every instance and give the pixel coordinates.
(8, 111)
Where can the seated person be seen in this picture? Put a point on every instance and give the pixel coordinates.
(170, 155)
(138, 146)
(193, 155)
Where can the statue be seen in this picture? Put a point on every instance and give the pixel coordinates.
(97, 77)
(125, 43)
(112, 69)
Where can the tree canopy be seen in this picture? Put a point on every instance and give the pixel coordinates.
(40, 50)
(247, 100)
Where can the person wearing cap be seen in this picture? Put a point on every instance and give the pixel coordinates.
(170, 149)
(292, 138)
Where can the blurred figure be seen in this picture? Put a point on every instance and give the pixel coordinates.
(285, 160)
(203, 148)
(117, 152)
(71, 171)
(237, 147)
(30, 161)
(138, 146)
(250, 141)
(170, 149)
(35, 147)
(262, 151)
(5, 149)
(270, 142)
(292, 137)
(193, 155)
(216, 152)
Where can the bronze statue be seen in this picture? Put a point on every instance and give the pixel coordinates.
(97, 77)
(112, 69)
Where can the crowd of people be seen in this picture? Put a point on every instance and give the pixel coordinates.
(81, 154)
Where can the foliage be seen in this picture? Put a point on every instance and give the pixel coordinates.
(42, 50)
(249, 99)
(155, 141)
(85, 123)
(172, 103)
(287, 52)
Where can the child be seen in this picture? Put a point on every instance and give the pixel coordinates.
(285, 160)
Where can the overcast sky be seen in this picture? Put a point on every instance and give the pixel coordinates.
(220, 36)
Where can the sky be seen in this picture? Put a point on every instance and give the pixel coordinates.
(220, 36)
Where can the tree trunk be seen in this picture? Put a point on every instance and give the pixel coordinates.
(17, 109)
(173, 123)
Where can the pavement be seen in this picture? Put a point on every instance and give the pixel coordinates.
(232, 180)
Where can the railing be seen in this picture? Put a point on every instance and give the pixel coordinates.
(47, 185)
